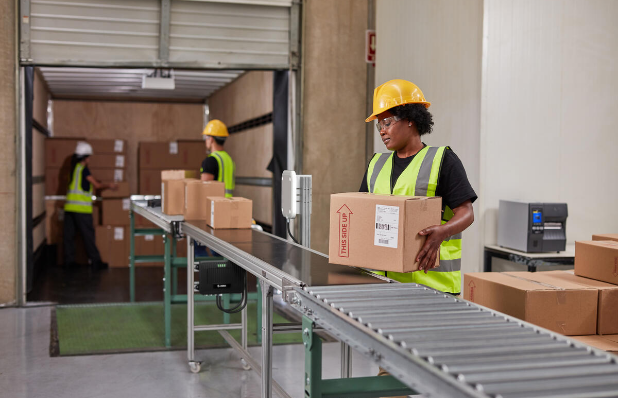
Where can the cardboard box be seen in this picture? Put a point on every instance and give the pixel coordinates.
(597, 260)
(142, 222)
(607, 312)
(178, 174)
(171, 155)
(113, 244)
(108, 175)
(173, 196)
(108, 146)
(58, 151)
(107, 161)
(229, 213)
(552, 303)
(121, 192)
(613, 237)
(380, 231)
(150, 182)
(605, 343)
(116, 211)
(56, 181)
(149, 245)
(196, 194)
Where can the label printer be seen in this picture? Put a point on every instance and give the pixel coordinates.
(532, 227)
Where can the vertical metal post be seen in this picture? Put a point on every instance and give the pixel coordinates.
(258, 324)
(305, 187)
(267, 334)
(313, 360)
(132, 257)
(164, 31)
(190, 302)
(243, 332)
(167, 292)
(226, 304)
(346, 366)
(24, 19)
(174, 269)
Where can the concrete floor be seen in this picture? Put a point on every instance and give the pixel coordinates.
(27, 370)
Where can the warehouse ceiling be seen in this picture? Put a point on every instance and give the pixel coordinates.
(119, 84)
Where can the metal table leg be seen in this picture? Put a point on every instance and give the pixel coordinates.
(346, 366)
(167, 292)
(227, 298)
(132, 258)
(267, 334)
(258, 324)
(487, 255)
(193, 364)
(174, 269)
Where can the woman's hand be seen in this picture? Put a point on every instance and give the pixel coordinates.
(431, 249)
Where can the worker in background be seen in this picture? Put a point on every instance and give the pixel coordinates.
(413, 168)
(78, 208)
(218, 165)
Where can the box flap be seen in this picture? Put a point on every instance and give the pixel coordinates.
(550, 280)
(572, 278)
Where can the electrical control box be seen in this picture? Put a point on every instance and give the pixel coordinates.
(532, 227)
(220, 277)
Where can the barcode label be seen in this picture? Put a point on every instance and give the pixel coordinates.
(386, 226)
(173, 148)
(149, 237)
(119, 233)
(126, 204)
(118, 175)
(118, 145)
(119, 160)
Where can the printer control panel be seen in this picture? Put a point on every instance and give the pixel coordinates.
(537, 220)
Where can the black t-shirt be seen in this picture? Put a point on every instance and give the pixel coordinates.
(85, 182)
(210, 166)
(453, 185)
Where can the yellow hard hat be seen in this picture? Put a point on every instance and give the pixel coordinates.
(216, 128)
(394, 93)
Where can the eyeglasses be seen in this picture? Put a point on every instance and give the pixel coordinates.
(386, 123)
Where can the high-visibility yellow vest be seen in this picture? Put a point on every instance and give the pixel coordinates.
(420, 178)
(78, 200)
(226, 171)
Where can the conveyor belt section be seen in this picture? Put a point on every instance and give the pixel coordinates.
(442, 346)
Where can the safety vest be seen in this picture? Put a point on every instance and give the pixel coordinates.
(420, 178)
(226, 171)
(78, 200)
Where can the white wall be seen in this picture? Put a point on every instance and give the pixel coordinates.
(438, 46)
(550, 110)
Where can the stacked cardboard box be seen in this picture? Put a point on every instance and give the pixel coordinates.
(113, 244)
(157, 156)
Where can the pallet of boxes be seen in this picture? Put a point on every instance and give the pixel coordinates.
(582, 303)
(203, 201)
(107, 164)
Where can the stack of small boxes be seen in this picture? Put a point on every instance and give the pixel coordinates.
(581, 303)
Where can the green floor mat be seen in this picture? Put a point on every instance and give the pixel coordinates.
(109, 328)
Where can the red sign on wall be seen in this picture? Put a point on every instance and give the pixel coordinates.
(370, 46)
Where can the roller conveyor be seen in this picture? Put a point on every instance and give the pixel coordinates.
(442, 346)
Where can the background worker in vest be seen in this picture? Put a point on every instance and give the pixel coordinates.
(415, 169)
(218, 165)
(78, 208)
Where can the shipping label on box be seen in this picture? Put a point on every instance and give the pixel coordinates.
(597, 260)
(118, 175)
(120, 161)
(119, 146)
(553, 303)
(173, 148)
(380, 231)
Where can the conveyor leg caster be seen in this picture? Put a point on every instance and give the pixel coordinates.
(245, 365)
(195, 366)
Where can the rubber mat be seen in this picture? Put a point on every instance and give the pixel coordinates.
(115, 328)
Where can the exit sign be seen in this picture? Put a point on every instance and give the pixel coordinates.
(370, 46)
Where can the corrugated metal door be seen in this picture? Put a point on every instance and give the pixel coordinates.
(240, 34)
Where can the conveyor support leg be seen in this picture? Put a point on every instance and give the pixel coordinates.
(167, 292)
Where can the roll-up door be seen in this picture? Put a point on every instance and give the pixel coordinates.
(222, 34)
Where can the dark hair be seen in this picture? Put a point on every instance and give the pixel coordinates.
(219, 140)
(417, 114)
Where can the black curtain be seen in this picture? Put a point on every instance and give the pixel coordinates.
(28, 96)
(279, 163)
